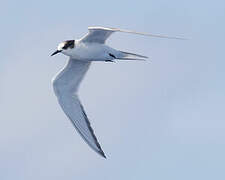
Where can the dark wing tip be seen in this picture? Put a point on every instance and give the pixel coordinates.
(99, 150)
(102, 153)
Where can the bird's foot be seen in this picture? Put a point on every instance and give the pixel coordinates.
(109, 61)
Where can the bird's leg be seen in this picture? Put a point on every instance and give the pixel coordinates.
(111, 55)
(109, 61)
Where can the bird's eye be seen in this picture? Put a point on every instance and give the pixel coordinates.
(68, 44)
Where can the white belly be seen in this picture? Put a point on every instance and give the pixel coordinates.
(93, 52)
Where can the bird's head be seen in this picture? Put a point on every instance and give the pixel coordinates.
(65, 48)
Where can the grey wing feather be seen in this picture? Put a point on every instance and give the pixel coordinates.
(97, 35)
(66, 84)
(100, 34)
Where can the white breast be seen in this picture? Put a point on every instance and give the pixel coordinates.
(91, 51)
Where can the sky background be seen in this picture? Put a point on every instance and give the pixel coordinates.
(160, 119)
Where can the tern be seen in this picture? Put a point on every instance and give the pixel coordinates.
(81, 53)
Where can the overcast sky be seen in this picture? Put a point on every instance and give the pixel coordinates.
(160, 119)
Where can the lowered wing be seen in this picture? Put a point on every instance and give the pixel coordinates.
(66, 85)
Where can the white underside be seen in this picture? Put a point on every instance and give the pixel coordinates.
(92, 52)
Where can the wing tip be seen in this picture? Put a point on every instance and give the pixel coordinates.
(102, 154)
(100, 151)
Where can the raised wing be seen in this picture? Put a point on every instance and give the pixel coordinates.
(66, 84)
(100, 34)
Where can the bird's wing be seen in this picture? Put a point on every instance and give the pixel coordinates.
(100, 34)
(65, 85)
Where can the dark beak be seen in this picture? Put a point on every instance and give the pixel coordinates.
(56, 52)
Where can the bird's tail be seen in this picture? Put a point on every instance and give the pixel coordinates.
(131, 56)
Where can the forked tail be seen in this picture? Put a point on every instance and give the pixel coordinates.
(131, 56)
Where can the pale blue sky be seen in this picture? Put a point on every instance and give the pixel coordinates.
(161, 119)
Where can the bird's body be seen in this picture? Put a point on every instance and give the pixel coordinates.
(66, 83)
(92, 51)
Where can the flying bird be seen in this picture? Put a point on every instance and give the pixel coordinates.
(81, 53)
